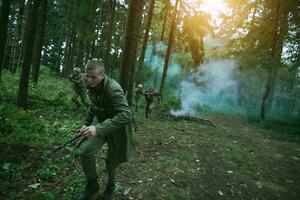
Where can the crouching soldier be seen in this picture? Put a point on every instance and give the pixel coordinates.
(79, 88)
(108, 121)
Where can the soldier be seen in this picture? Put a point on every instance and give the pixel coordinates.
(79, 89)
(109, 120)
(149, 96)
(138, 93)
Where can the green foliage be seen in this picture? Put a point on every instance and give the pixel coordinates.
(185, 60)
(150, 75)
(50, 120)
(171, 102)
(287, 125)
(47, 172)
(37, 125)
(19, 122)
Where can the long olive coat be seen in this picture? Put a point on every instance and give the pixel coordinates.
(111, 115)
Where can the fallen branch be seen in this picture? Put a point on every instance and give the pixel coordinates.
(194, 119)
(187, 118)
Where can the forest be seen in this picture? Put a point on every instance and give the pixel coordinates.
(212, 90)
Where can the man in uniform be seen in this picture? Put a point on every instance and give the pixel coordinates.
(138, 93)
(79, 89)
(108, 120)
(149, 96)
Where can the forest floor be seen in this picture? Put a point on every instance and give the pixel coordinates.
(237, 159)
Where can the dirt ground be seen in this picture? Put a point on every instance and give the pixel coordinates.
(182, 160)
(234, 160)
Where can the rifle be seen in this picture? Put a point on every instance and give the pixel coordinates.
(69, 141)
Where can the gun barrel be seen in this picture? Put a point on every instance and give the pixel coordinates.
(68, 142)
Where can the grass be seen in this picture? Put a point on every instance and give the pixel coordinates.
(285, 127)
(239, 159)
(50, 120)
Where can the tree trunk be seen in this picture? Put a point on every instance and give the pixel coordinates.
(164, 23)
(170, 44)
(38, 45)
(5, 62)
(3, 27)
(95, 46)
(28, 50)
(130, 47)
(291, 84)
(273, 69)
(110, 33)
(70, 62)
(13, 44)
(202, 51)
(81, 32)
(15, 37)
(145, 41)
(103, 18)
(70, 47)
(90, 30)
(24, 28)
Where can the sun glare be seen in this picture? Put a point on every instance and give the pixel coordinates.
(213, 7)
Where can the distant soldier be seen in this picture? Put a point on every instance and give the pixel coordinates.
(149, 96)
(138, 92)
(79, 89)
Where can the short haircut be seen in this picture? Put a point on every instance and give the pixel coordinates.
(95, 65)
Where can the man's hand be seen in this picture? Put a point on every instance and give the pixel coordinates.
(88, 131)
(79, 132)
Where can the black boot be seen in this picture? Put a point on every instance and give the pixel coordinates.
(108, 192)
(91, 189)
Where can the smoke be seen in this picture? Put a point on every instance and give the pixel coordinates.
(217, 85)
(213, 84)
(154, 58)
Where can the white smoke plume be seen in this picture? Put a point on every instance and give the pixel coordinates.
(213, 84)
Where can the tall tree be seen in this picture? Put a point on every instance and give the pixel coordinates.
(23, 37)
(3, 27)
(86, 11)
(272, 49)
(170, 45)
(8, 44)
(166, 13)
(276, 51)
(145, 41)
(38, 44)
(130, 47)
(90, 30)
(81, 29)
(28, 51)
(16, 51)
(111, 23)
(70, 41)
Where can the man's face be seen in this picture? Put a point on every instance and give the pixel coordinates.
(93, 77)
